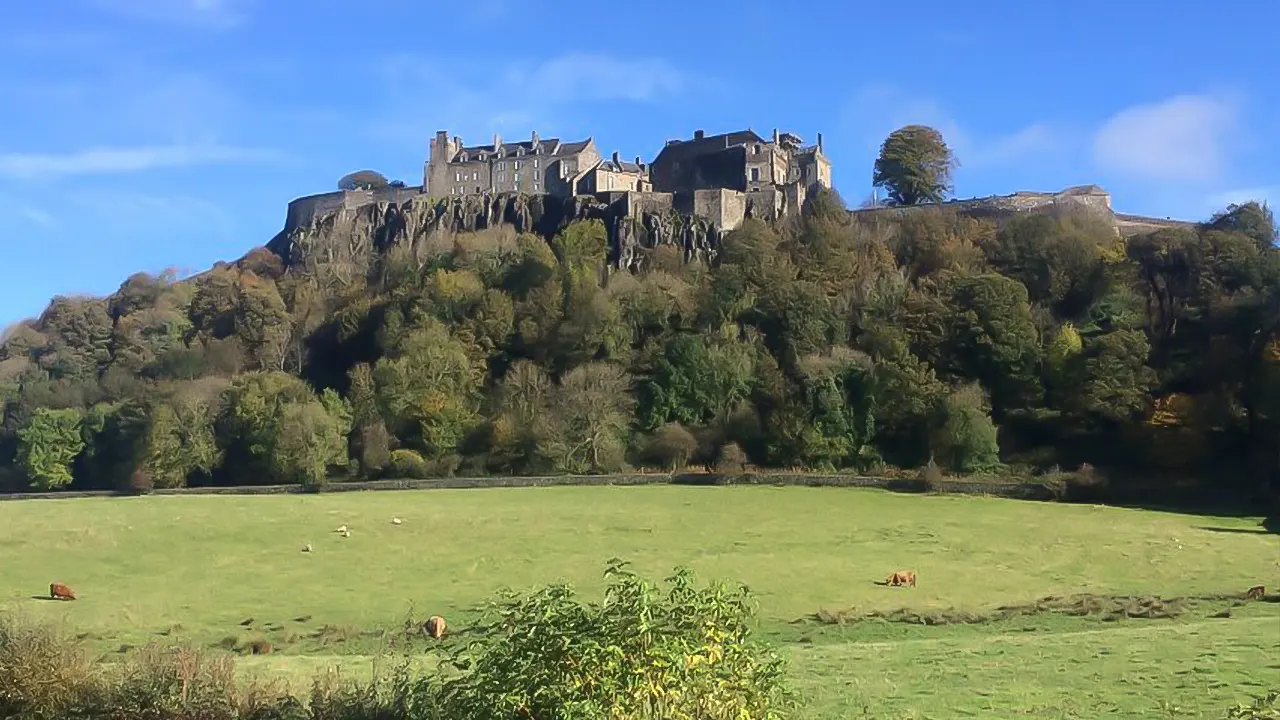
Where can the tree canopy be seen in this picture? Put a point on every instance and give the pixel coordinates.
(915, 166)
(363, 180)
(824, 341)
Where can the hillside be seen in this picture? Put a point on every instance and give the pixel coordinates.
(384, 341)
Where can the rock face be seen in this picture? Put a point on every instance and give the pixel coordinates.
(356, 234)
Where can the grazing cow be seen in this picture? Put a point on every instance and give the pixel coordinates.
(902, 577)
(58, 591)
(395, 521)
(306, 548)
(346, 533)
(1255, 593)
(341, 529)
(435, 626)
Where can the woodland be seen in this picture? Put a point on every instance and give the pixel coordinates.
(831, 341)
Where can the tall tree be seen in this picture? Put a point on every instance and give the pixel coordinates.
(915, 166)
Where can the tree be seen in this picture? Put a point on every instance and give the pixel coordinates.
(915, 166)
(363, 180)
(47, 446)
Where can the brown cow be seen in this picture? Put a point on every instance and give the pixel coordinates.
(902, 577)
(58, 591)
(435, 626)
(1255, 593)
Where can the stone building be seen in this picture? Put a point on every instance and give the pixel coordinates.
(616, 175)
(534, 166)
(781, 168)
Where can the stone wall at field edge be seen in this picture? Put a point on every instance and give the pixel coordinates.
(1023, 491)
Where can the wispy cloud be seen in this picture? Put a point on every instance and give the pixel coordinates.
(878, 110)
(516, 95)
(212, 14)
(1266, 194)
(1182, 139)
(117, 160)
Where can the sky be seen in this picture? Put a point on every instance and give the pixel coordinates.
(140, 135)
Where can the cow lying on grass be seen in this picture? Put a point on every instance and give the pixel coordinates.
(58, 591)
(902, 577)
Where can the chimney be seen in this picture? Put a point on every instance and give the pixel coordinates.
(819, 141)
(497, 142)
(775, 136)
(616, 161)
(638, 163)
(535, 138)
(698, 134)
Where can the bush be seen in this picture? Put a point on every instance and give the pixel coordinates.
(966, 440)
(408, 464)
(375, 447)
(671, 446)
(1086, 484)
(731, 461)
(641, 654)
(931, 477)
(140, 482)
(1263, 707)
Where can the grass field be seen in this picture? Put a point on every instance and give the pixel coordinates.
(194, 567)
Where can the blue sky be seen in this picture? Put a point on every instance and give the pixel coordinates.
(145, 134)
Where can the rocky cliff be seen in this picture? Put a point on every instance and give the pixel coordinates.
(355, 234)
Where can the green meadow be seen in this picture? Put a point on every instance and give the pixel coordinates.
(1142, 624)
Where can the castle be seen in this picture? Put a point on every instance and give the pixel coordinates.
(694, 190)
(721, 178)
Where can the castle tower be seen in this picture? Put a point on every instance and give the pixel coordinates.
(435, 175)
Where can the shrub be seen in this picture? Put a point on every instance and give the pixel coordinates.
(671, 446)
(408, 464)
(1086, 484)
(1263, 707)
(140, 482)
(642, 654)
(375, 447)
(731, 461)
(931, 477)
(966, 439)
(1055, 481)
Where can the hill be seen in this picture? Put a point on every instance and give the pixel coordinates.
(397, 347)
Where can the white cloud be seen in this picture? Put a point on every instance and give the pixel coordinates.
(1183, 138)
(1268, 195)
(214, 14)
(515, 96)
(878, 110)
(115, 160)
(586, 77)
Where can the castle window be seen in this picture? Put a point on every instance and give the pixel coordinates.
(755, 149)
(475, 175)
(477, 188)
(453, 191)
(502, 177)
(755, 173)
(517, 165)
(535, 186)
(457, 177)
(535, 164)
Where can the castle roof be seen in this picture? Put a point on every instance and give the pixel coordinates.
(709, 143)
(621, 166)
(549, 146)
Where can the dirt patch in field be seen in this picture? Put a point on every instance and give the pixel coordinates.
(1106, 608)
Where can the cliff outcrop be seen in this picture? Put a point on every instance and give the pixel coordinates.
(356, 234)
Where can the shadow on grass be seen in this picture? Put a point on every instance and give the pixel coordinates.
(1261, 530)
(46, 597)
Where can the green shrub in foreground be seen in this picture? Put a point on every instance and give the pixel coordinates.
(683, 654)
